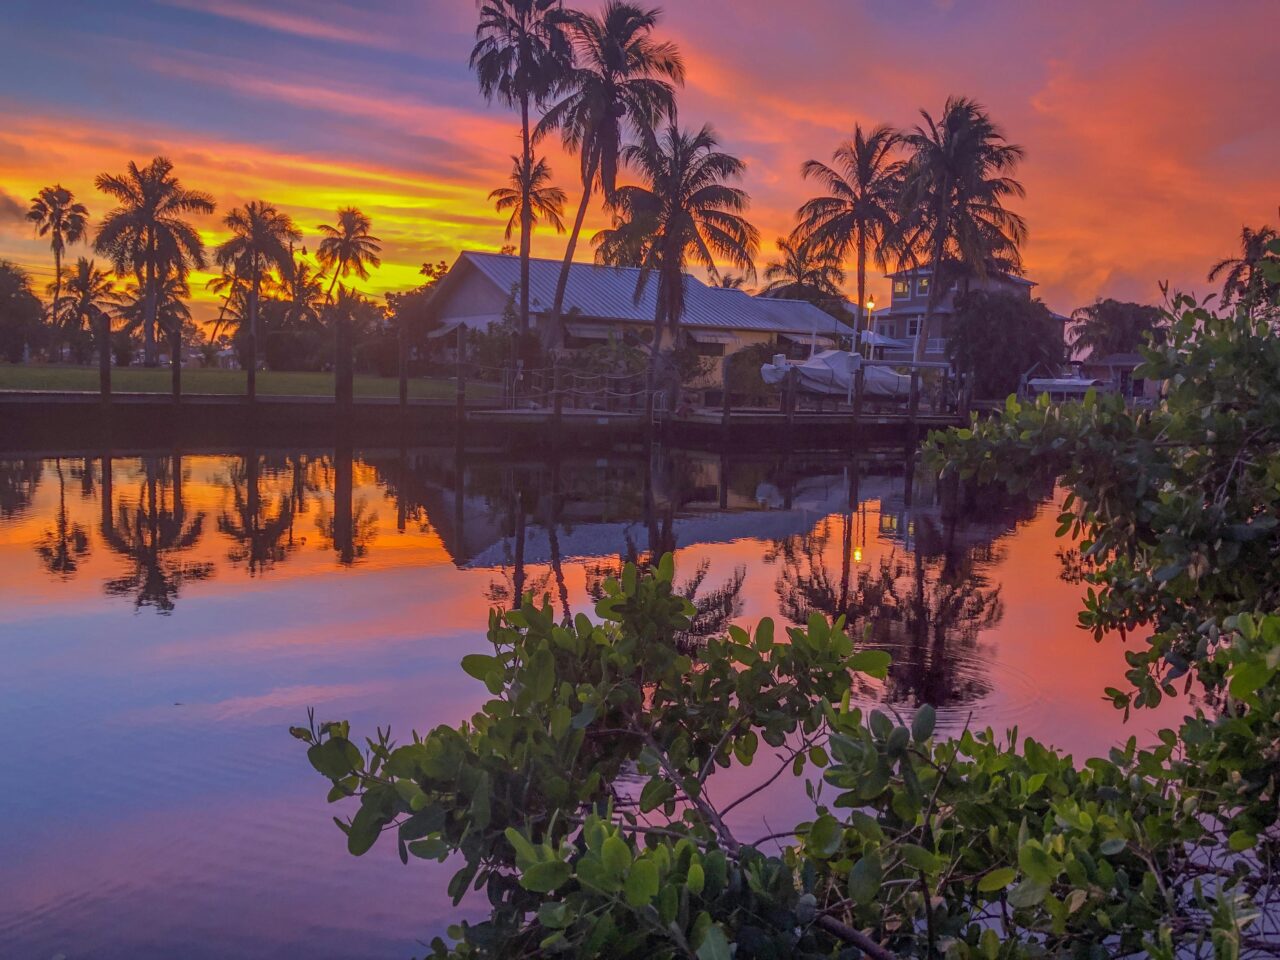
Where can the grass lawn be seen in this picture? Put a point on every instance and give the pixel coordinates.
(60, 377)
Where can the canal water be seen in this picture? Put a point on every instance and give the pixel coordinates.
(165, 616)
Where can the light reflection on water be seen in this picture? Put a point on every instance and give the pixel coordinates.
(164, 618)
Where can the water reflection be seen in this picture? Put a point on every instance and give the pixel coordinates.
(61, 548)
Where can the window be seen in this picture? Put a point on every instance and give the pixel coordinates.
(913, 327)
(902, 288)
(708, 349)
(885, 329)
(922, 286)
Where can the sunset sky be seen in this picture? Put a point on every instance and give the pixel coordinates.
(1149, 126)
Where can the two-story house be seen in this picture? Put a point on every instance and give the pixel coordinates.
(907, 310)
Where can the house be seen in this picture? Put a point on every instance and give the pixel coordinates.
(1118, 369)
(601, 301)
(906, 312)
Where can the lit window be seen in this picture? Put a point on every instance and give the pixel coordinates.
(901, 288)
(922, 286)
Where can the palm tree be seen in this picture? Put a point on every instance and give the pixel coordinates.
(684, 211)
(521, 56)
(172, 315)
(805, 271)
(858, 214)
(1243, 280)
(1112, 326)
(302, 290)
(261, 241)
(90, 292)
(623, 81)
(348, 247)
(59, 217)
(730, 281)
(955, 183)
(545, 201)
(147, 235)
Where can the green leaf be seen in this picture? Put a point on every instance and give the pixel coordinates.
(922, 723)
(1111, 846)
(479, 665)
(366, 825)
(616, 855)
(714, 945)
(541, 675)
(997, 879)
(1247, 678)
(865, 879)
(545, 877)
(874, 663)
(1242, 840)
(920, 859)
(335, 758)
(1028, 893)
(824, 837)
(642, 883)
(696, 879)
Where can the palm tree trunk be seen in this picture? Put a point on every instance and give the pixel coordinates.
(149, 357)
(526, 215)
(328, 296)
(562, 283)
(935, 285)
(253, 334)
(864, 319)
(57, 295)
(175, 359)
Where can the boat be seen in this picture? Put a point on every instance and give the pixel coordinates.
(833, 373)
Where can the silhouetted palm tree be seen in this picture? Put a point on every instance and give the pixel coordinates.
(262, 532)
(261, 241)
(90, 291)
(622, 81)
(147, 235)
(303, 292)
(521, 56)
(955, 184)
(62, 548)
(1242, 280)
(1113, 326)
(730, 281)
(859, 212)
(685, 211)
(348, 247)
(59, 217)
(172, 315)
(546, 202)
(805, 271)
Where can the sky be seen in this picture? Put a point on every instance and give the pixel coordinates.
(1149, 133)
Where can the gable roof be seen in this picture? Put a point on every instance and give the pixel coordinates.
(609, 293)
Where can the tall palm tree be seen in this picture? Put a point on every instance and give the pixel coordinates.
(623, 81)
(348, 247)
(545, 202)
(1113, 326)
(1242, 280)
(59, 217)
(955, 184)
(172, 315)
(90, 291)
(805, 271)
(148, 236)
(302, 290)
(859, 212)
(685, 211)
(521, 56)
(261, 241)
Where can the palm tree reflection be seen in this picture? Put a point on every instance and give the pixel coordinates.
(261, 527)
(18, 482)
(348, 527)
(62, 548)
(152, 535)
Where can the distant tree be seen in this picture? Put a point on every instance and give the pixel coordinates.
(90, 291)
(684, 211)
(1113, 326)
(996, 337)
(59, 217)
(521, 57)
(20, 313)
(1242, 277)
(261, 242)
(622, 81)
(805, 271)
(955, 184)
(172, 315)
(731, 281)
(148, 236)
(859, 212)
(348, 247)
(545, 202)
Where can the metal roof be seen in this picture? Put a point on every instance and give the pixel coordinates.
(609, 293)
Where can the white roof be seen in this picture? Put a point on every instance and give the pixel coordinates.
(609, 293)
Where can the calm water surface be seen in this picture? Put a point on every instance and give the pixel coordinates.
(165, 617)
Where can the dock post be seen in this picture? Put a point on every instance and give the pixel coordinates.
(104, 361)
(790, 395)
(557, 397)
(725, 398)
(859, 388)
(914, 409)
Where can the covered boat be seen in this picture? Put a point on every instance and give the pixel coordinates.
(833, 373)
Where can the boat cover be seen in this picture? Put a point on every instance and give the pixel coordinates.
(833, 373)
